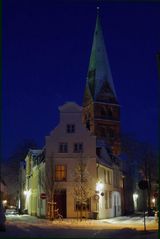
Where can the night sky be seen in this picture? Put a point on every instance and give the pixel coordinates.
(46, 50)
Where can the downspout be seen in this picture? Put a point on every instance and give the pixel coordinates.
(97, 181)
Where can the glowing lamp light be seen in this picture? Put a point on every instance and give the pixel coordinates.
(4, 202)
(99, 186)
(27, 193)
(153, 200)
(135, 196)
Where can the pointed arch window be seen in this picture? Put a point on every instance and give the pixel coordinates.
(87, 117)
(110, 113)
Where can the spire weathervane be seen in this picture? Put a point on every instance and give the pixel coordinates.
(98, 10)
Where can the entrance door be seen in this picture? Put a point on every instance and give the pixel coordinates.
(60, 199)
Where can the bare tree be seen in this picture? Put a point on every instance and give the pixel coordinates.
(82, 191)
(11, 169)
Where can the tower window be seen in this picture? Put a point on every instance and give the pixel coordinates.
(111, 133)
(88, 124)
(110, 113)
(102, 132)
(87, 118)
(103, 112)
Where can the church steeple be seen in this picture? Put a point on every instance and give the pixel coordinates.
(101, 114)
(99, 77)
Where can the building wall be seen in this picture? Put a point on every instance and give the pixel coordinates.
(34, 205)
(109, 196)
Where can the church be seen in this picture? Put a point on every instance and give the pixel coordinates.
(79, 170)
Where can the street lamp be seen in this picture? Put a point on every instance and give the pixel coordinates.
(27, 193)
(153, 201)
(135, 197)
(99, 186)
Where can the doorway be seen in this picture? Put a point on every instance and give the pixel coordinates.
(60, 199)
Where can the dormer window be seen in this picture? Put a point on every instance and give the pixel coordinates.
(70, 128)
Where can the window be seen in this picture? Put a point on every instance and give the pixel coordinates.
(87, 119)
(105, 181)
(106, 200)
(102, 131)
(109, 177)
(78, 147)
(110, 199)
(111, 133)
(70, 128)
(85, 205)
(103, 112)
(110, 114)
(63, 147)
(116, 178)
(60, 173)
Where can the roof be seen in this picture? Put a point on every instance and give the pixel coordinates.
(106, 158)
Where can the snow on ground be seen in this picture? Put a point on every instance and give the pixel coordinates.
(25, 226)
(120, 222)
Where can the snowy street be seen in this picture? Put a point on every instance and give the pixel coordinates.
(120, 227)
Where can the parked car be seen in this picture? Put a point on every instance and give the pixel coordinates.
(11, 210)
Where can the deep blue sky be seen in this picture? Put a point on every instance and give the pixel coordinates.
(46, 50)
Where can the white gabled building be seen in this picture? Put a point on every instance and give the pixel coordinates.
(71, 142)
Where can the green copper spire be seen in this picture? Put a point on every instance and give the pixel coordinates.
(99, 78)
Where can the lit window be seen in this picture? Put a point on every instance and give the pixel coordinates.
(105, 176)
(78, 147)
(63, 147)
(110, 199)
(109, 177)
(70, 128)
(60, 173)
(106, 200)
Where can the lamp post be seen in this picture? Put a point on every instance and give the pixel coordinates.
(158, 199)
(99, 193)
(135, 197)
(143, 185)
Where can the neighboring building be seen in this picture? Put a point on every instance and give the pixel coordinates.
(22, 182)
(3, 192)
(34, 205)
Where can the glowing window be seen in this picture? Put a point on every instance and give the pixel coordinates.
(60, 173)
